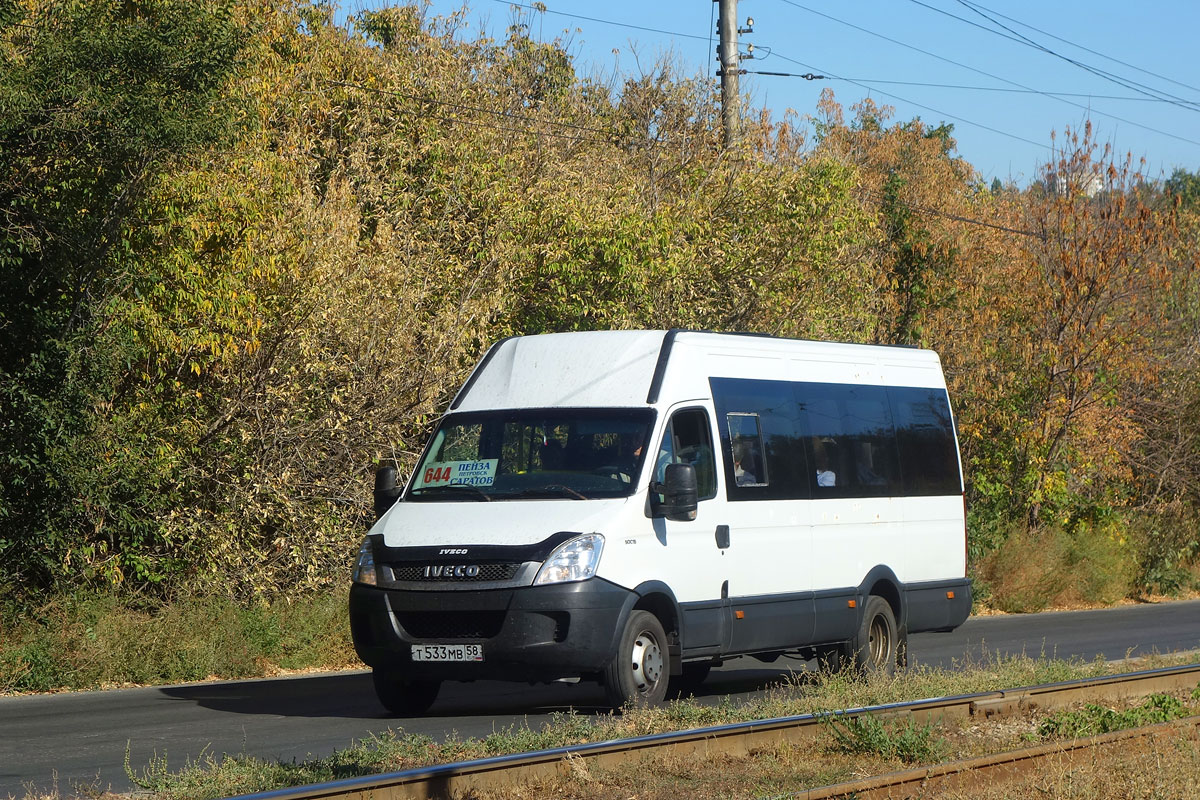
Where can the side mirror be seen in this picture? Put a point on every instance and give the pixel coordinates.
(386, 490)
(679, 491)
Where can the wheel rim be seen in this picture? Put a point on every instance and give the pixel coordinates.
(647, 662)
(880, 641)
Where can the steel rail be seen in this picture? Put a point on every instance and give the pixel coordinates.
(448, 780)
(971, 772)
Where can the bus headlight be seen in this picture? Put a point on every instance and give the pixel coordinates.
(574, 560)
(364, 569)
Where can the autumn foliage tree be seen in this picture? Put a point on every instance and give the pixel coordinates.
(289, 294)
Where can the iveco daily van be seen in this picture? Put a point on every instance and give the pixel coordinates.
(634, 507)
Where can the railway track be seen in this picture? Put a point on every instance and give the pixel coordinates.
(449, 780)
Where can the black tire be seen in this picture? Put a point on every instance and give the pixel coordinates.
(404, 697)
(640, 670)
(875, 647)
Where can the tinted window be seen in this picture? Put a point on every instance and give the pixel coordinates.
(851, 440)
(687, 441)
(925, 435)
(746, 448)
(761, 418)
(835, 440)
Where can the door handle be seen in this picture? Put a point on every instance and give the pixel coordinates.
(722, 536)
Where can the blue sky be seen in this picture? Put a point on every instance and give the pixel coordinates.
(884, 49)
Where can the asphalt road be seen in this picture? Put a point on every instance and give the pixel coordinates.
(69, 741)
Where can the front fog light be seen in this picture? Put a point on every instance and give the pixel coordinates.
(364, 569)
(574, 560)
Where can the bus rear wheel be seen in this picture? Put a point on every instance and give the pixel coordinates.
(876, 646)
(641, 669)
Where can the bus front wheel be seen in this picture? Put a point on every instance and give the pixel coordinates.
(640, 670)
(404, 697)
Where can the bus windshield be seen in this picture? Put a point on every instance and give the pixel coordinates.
(521, 454)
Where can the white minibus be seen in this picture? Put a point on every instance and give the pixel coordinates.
(635, 507)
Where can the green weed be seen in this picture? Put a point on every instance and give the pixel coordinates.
(1093, 720)
(910, 741)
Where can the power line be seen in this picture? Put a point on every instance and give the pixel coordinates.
(1014, 36)
(956, 217)
(1025, 40)
(1088, 50)
(981, 72)
(866, 84)
(544, 10)
(915, 103)
(925, 84)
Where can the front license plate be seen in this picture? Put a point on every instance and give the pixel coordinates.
(447, 652)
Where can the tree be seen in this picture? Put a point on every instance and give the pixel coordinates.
(97, 99)
(1095, 310)
(1184, 186)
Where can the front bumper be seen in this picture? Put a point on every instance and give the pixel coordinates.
(528, 633)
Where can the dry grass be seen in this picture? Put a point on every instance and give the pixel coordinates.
(102, 641)
(769, 772)
(1136, 769)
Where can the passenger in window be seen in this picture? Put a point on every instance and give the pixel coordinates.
(825, 474)
(866, 475)
(741, 475)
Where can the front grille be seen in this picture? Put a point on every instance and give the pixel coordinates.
(487, 573)
(451, 624)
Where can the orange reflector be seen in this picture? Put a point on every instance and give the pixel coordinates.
(853, 604)
(740, 614)
(949, 595)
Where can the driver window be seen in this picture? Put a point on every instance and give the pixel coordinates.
(687, 441)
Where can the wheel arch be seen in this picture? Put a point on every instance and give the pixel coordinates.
(657, 598)
(882, 581)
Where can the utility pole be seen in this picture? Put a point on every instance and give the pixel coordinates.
(727, 54)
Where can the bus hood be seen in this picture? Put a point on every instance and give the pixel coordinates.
(507, 522)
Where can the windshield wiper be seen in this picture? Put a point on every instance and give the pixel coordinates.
(552, 489)
(479, 493)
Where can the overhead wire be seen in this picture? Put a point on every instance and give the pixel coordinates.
(802, 7)
(545, 10)
(1088, 50)
(944, 114)
(930, 85)
(1012, 35)
(861, 84)
(957, 217)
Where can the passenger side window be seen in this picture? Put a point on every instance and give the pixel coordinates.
(852, 441)
(925, 437)
(687, 440)
(760, 424)
(746, 449)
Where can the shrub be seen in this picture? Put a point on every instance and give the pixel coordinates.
(85, 642)
(1035, 569)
